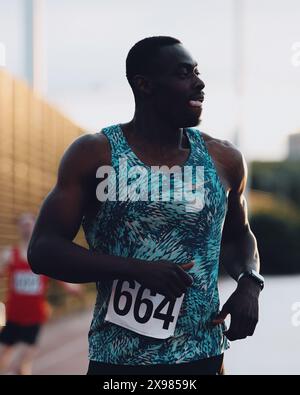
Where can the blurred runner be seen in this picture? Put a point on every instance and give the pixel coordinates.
(26, 308)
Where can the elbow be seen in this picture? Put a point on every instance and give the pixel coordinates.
(35, 256)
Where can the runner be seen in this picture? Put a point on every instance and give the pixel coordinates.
(26, 307)
(153, 251)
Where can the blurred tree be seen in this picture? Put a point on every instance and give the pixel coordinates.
(278, 243)
(280, 178)
(276, 224)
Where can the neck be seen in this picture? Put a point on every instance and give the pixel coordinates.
(147, 126)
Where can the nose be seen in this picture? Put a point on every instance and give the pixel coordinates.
(198, 83)
(201, 83)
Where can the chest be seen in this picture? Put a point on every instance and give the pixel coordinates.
(178, 157)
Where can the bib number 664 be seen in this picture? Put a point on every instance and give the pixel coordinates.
(136, 308)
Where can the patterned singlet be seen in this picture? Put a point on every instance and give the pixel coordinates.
(161, 230)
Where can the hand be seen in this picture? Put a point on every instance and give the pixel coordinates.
(165, 277)
(243, 308)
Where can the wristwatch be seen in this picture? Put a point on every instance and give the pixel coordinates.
(258, 278)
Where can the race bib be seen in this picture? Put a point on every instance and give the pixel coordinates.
(27, 283)
(140, 310)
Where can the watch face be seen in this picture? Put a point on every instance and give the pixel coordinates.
(258, 277)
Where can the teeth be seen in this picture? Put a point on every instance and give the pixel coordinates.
(195, 103)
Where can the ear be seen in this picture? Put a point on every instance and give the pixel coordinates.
(142, 84)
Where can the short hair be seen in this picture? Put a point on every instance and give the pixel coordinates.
(140, 57)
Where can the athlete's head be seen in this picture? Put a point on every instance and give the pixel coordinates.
(25, 223)
(163, 75)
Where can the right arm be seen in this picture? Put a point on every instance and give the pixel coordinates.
(51, 250)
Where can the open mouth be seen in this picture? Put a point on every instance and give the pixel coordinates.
(196, 101)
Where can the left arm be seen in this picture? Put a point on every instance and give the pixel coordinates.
(239, 253)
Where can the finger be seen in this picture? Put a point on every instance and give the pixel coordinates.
(168, 294)
(187, 266)
(248, 325)
(177, 283)
(186, 278)
(177, 290)
(237, 329)
(220, 318)
(232, 336)
(252, 327)
(254, 321)
(232, 330)
(170, 289)
(243, 329)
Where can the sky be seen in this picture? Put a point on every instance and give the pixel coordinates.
(86, 43)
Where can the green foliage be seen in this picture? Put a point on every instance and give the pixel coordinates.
(280, 178)
(276, 221)
(278, 241)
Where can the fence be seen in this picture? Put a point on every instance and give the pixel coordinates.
(33, 137)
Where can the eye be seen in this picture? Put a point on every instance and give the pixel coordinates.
(183, 72)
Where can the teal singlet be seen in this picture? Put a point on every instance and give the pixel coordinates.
(152, 231)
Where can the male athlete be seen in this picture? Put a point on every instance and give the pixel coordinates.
(155, 260)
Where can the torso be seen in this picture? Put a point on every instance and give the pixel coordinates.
(222, 152)
(172, 230)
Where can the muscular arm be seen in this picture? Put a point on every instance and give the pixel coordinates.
(239, 247)
(239, 253)
(51, 250)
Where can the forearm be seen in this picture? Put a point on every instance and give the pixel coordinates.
(240, 254)
(64, 260)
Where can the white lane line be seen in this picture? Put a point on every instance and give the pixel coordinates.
(67, 351)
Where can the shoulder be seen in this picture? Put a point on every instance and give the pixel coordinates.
(85, 154)
(89, 146)
(230, 159)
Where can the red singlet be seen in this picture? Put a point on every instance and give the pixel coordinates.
(26, 301)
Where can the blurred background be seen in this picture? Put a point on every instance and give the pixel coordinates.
(62, 73)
